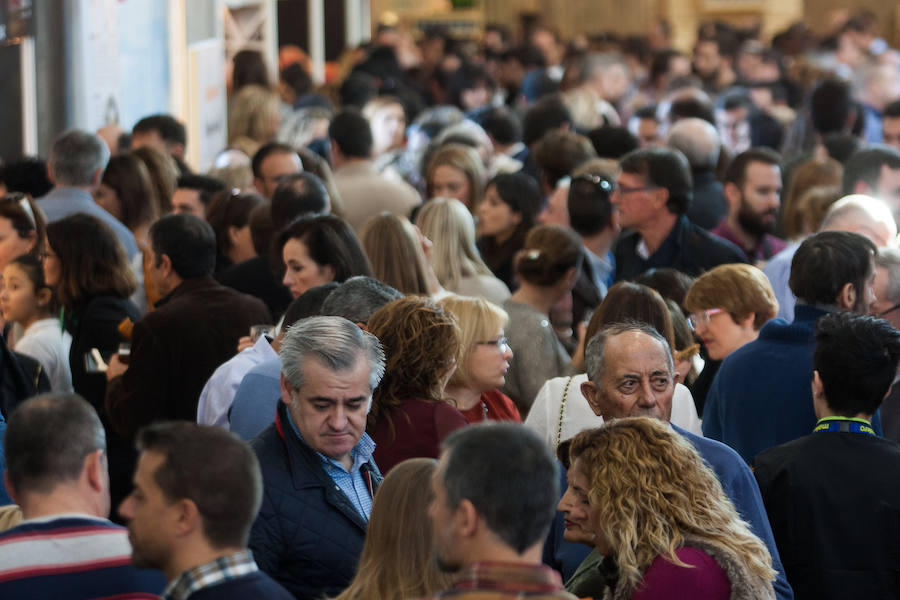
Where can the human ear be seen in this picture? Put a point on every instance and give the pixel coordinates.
(589, 391)
(43, 297)
(846, 298)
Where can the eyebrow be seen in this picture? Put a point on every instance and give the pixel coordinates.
(334, 401)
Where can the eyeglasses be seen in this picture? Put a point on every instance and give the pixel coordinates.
(501, 343)
(622, 190)
(702, 318)
(890, 310)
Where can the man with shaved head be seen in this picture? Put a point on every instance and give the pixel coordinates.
(699, 141)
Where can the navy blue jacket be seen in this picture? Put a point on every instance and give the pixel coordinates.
(688, 248)
(255, 586)
(308, 535)
(761, 396)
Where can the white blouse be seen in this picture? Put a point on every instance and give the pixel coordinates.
(45, 341)
(544, 417)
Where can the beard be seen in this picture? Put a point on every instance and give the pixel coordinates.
(756, 224)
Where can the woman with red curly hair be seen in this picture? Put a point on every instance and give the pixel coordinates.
(410, 416)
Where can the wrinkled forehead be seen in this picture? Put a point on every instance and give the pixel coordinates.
(635, 352)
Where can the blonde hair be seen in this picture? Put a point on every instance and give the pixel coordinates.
(252, 112)
(448, 224)
(397, 559)
(654, 492)
(396, 255)
(479, 320)
(740, 289)
(464, 158)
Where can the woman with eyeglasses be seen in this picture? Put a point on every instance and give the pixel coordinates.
(728, 305)
(482, 361)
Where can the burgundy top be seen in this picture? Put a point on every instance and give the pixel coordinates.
(665, 581)
(499, 408)
(419, 428)
(769, 245)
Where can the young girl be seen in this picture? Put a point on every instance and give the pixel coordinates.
(25, 299)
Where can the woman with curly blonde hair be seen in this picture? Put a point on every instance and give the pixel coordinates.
(397, 560)
(410, 416)
(646, 499)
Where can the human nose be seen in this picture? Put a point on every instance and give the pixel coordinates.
(647, 396)
(338, 418)
(507, 352)
(565, 503)
(287, 279)
(125, 508)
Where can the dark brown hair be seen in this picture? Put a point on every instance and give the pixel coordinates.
(92, 261)
(25, 218)
(628, 301)
(129, 178)
(550, 251)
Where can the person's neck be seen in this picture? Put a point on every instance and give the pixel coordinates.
(142, 235)
(465, 398)
(190, 554)
(748, 241)
(349, 161)
(824, 412)
(62, 500)
(600, 243)
(34, 318)
(655, 231)
(87, 189)
(538, 297)
(496, 551)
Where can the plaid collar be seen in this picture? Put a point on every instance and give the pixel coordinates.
(224, 568)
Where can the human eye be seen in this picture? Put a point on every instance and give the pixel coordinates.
(661, 382)
(628, 385)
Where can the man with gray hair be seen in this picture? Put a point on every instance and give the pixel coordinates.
(630, 374)
(57, 473)
(319, 478)
(887, 306)
(257, 394)
(857, 213)
(76, 165)
(699, 141)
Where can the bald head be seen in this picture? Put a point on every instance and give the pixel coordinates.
(698, 140)
(862, 214)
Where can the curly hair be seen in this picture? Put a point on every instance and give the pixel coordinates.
(421, 343)
(654, 491)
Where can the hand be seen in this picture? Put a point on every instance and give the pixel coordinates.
(244, 343)
(115, 368)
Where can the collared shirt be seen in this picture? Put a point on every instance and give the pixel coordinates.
(62, 202)
(351, 482)
(499, 580)
(224, 568)
(218, 393)
(603, 268)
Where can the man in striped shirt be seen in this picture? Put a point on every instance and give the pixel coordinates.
(65, 546)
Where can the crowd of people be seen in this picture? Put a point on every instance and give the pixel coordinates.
(479, 319)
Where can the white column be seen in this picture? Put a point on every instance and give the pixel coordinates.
(365, 20)
(317, 39)
(352, 33)
(29, 97)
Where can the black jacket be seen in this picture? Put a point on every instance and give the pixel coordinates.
(689, 249)
(308, 536)
(176, 348)
(833, 499)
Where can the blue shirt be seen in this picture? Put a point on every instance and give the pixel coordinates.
(218, 393)
(351, 483)
(256, 400)
(62, 202)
